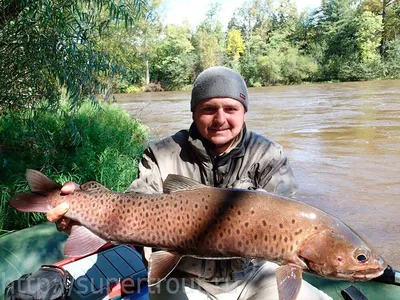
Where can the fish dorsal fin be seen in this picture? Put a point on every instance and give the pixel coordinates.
(40, 183)
(289, 278)
(82, 242)
(93, 186)
(175, 183)
(161, 264)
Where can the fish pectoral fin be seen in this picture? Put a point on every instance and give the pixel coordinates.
(82, 242)
(161, 264)
(289, 278)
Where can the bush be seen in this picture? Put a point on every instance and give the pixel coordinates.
(102, 144)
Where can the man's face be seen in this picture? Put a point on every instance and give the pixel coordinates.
(219, 121)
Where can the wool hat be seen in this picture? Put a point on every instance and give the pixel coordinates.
(219, 82)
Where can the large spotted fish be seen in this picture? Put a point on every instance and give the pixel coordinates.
(191, 219)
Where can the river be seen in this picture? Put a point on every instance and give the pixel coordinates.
(342, 139)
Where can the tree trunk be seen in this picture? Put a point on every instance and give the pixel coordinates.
(147, 72)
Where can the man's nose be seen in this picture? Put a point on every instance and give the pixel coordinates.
(220, 116)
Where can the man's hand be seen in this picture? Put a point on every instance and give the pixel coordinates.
(56, 214)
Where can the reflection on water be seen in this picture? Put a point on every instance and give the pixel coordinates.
(343, 141)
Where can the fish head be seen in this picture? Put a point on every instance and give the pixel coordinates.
(341, 255)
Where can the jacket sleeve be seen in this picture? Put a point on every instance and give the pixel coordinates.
(149, 179)
(277, 177)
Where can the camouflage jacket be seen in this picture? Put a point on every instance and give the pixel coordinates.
(254, 163)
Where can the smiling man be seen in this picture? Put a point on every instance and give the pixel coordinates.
(218, 151)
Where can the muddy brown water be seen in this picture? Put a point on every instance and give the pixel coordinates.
(343, 142)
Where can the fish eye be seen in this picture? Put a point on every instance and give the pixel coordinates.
(361, 258)
(361, 255)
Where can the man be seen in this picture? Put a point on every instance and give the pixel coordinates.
(218, 151)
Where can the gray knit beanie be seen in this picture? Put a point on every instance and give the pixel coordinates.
(219, 82)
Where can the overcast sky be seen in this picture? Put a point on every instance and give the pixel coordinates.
(176, 11)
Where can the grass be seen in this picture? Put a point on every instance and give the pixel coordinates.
(103, 144)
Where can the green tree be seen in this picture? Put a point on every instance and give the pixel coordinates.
(49, 44)
(368, 36)
(209, 41)
(174, 63)
(234, 44)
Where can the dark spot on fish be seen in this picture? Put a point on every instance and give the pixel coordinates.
(196, 206)
(252, 212)
(158, 219)
(255, 236)
(291, 238)
(188, 222)
(316, 228)
(280, 237)
(281, 225)
(166, 204)
(113, 211)
(274, 237)
(237, 231)
(142, 222)
(247, 242)
(147, 215)
(163, 233)
(264, 223)
(84, 197)
(221, 234)
(173, 239)
(169, 223)
(121, 217)
(208, 195)
(291, 248)
(240, 244)
(285, 239)
(120, 201)
(246, 224)
(181, 208)
(180, 231)
(220, 246)
(129, 221)
(176, 205)
(206, 207)
(228, 218)
(157, 206)
(140, 204)
(283, 250)
(199, 219)
(293, 221)
(95, 196)
(298, 232)
(239, 212)
(178, 218)
(266, 238)
(145, 202)
(153, 238)
(124, 232)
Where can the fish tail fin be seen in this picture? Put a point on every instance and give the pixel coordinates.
(37, 200)
(40, 183)
(30, 202)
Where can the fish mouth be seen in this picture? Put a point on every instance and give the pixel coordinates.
(368, 275)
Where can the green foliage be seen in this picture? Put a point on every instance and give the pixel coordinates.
(175, 61)
(49, 44)
(102, 144)
(234, 44)
(368, 36)
(392, 59)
